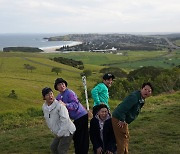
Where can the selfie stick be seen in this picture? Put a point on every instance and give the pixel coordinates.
(85, 89)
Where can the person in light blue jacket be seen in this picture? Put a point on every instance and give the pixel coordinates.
(58, 121)
(100, 93)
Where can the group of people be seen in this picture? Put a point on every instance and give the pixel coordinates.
(108, 132)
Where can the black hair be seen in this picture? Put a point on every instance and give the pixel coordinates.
(45, 91)
(100, 106)
(59, 80)
(147, 83)
(108, 76)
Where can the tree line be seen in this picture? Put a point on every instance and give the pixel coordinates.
(70, 62)
(21, 49)
(163, 81)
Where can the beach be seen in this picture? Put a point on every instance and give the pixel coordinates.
(34, 40)
(52, 49)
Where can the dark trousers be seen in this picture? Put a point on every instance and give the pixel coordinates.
(60, 145)
(81, 135)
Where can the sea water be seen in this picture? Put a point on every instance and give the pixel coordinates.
(31, 40)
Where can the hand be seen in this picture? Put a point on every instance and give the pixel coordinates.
(121, 124)
(62, 102)
(90, 115)
(58, 136)
(109, 152)
(99, 150)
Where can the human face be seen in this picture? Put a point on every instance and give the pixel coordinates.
(103, 112)
(49, 98)
(108, 82)
(146, 91)
(61, 87)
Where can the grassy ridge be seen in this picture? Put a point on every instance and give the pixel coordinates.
(101, 58)
(28, 85)
(23, 129)
(157, 128)
(155, 131)
(133, 59)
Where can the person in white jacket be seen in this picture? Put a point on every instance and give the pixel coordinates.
(58, 121)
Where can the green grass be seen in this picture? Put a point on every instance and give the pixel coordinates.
(101, 58)
(156, 130)
(22, 127)
(133, 60)
(177, 42)
(28, 85)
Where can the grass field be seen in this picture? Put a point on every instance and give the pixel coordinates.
(22, 127)
(133, 60)
(177, 42)
(155, 131)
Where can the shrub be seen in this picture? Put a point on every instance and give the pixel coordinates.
(86, 73)
(117, 72)
(57, 70)
(149, 72)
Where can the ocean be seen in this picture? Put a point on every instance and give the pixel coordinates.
(31, 40)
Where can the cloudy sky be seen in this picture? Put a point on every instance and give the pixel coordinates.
(89, 16)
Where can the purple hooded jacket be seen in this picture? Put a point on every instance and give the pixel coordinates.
(75, 108)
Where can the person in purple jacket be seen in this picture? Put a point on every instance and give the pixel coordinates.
(77, 113)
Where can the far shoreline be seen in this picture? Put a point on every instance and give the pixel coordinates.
(52, 49)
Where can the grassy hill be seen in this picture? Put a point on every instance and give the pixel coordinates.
(22, 127)
(28, 84)
(127, 59)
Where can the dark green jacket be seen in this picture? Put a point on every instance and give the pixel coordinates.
(129, 109)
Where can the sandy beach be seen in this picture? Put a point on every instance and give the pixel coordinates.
(52, 49)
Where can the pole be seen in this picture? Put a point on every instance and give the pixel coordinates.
(85, 90)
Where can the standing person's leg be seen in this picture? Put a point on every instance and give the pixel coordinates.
(122, 137)
(64, 144)
(81, 135)
(54, 145)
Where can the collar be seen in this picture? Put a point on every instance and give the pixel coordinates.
(52, 106)
(108, 117)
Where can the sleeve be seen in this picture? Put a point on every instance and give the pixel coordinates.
(58, 97)
(126, 105)
(72, 103)
(108, 136)
(64, 121)
(95, 94)
(95, 133)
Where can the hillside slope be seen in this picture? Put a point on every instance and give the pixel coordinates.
(22, 127)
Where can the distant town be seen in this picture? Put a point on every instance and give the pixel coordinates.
(110, 43)
(116, 42)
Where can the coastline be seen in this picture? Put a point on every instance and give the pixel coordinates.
(52, 49)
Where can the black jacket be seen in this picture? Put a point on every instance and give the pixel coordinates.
(109, 142)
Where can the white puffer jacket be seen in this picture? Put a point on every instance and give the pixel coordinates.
(57, 119)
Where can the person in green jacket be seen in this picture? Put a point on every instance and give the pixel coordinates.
(125, 113)
(100, 92)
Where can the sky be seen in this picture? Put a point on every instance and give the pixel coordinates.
(89, 16)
